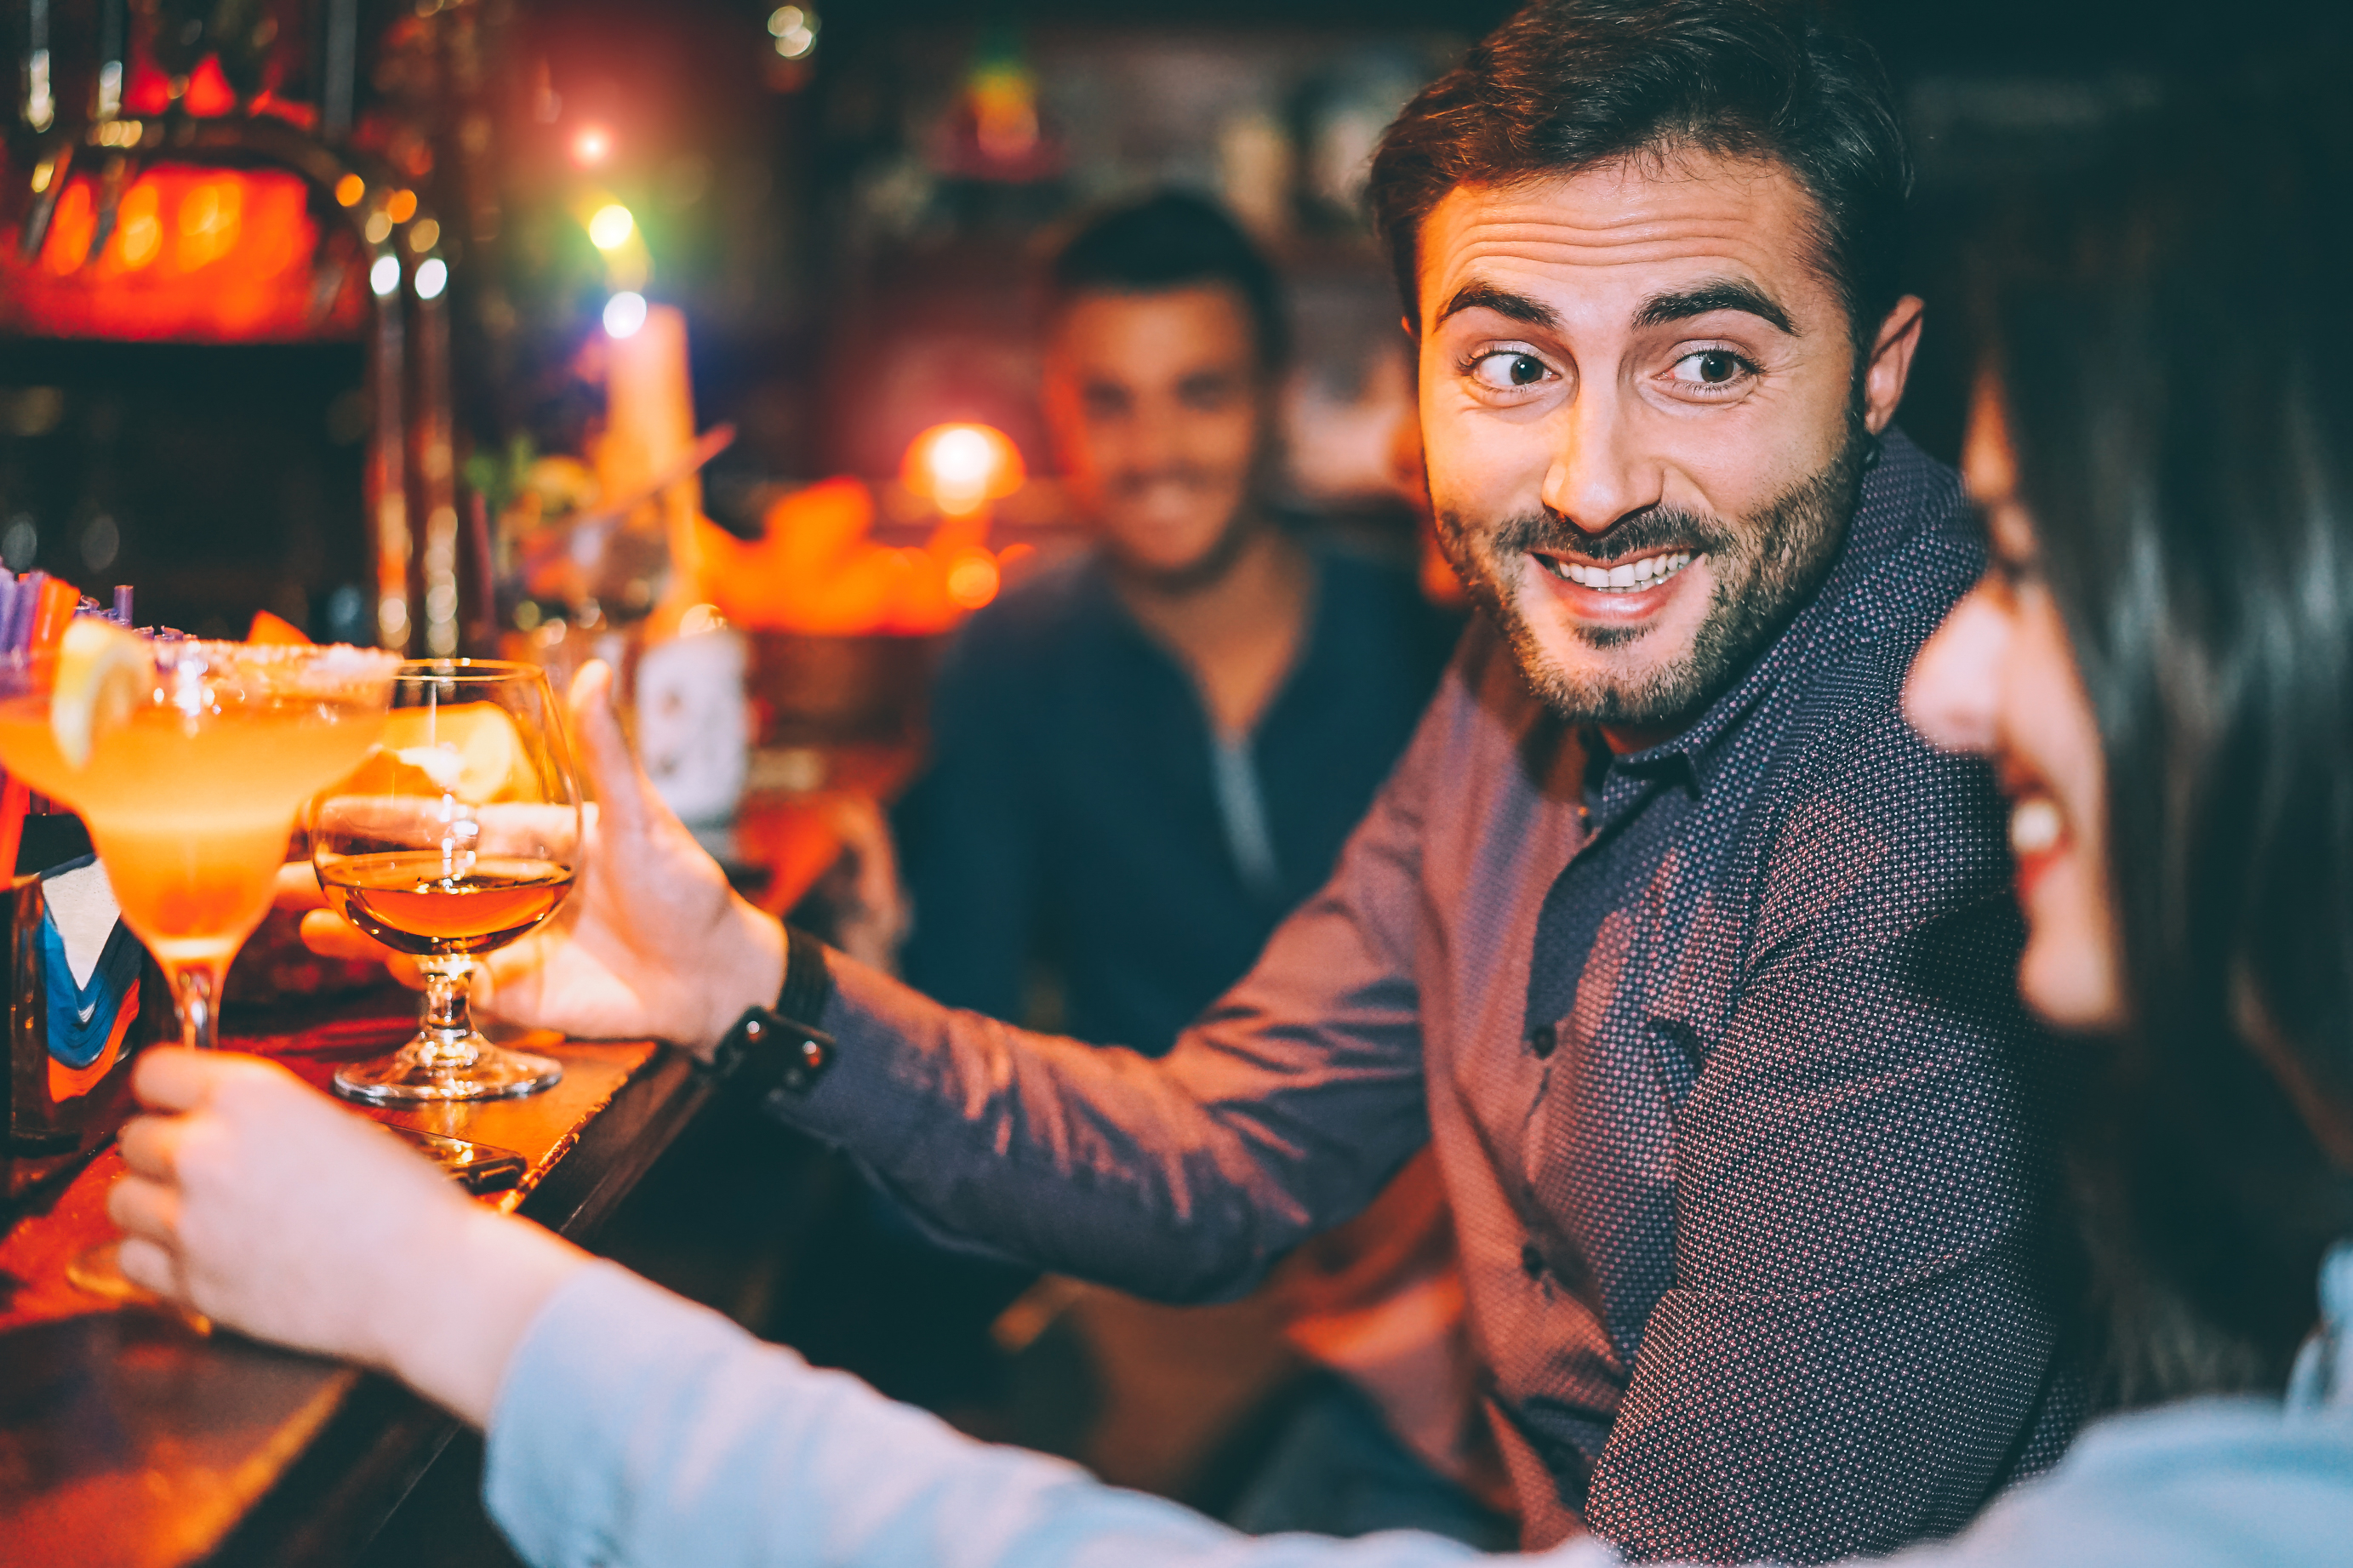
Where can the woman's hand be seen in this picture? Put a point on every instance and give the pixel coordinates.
(652, 942)
(262, 1204)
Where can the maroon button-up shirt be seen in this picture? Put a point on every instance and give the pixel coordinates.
(1748, 1228)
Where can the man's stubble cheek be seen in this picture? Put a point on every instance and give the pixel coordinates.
(1764, 567)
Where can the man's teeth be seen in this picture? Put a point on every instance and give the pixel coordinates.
(1626, 577)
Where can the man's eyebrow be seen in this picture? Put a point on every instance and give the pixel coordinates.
(1511, 306)
(1720, 294)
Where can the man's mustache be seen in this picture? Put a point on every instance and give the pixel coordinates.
(1641, 532)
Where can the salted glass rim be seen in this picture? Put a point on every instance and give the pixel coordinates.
(342, 665)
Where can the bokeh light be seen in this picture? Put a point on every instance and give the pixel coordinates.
(795, 29)
(625, 313)
(591, 145)
(962, 468)
(972, 578)
(611, 226)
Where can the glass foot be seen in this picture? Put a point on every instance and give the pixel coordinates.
(98, 1271)
(430, 1068)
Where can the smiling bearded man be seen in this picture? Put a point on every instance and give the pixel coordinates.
(1690, 961)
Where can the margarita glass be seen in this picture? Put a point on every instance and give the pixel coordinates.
(188, 762)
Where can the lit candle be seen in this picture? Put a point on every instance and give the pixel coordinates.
(648, 426)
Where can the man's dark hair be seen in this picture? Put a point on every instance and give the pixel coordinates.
(1172, 240)
(1568, 85)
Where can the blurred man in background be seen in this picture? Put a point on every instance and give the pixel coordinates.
(1145, 757)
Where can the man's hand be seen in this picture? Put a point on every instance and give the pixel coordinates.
(652, 942)
(265, 1205)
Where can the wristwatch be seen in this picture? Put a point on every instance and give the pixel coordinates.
(780, 1048)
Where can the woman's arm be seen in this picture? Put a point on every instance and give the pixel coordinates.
(625, 1426)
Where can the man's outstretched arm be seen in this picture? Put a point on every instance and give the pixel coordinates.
(1279, 1114)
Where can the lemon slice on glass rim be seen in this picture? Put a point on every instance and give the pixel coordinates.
(103, 674)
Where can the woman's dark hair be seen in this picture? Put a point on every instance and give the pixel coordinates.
(1567, 85)
(1172, 240)
(2182, 422)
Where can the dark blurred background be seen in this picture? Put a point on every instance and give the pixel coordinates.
(844, 195)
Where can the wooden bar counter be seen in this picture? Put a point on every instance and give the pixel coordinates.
(128, 1437)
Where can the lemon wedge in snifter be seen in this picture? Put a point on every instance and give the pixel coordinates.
(104, 673)
(470, 750)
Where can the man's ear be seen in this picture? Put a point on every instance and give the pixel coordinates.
(1890, 364)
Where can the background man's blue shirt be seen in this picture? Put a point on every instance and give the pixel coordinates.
(1072, 800)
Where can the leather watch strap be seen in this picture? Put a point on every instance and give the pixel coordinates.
(780, 1048)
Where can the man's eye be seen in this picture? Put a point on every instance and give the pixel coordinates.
(1508, 369)
(1207, 396)
(1711, 367)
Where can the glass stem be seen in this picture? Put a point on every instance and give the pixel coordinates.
(196, 991)
(448, 1022)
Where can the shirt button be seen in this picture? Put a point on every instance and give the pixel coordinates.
(1532, 1262)
(1542, 1039)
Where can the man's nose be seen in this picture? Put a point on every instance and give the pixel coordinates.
(1953, 692)
(1597, 476)
(1147, 438)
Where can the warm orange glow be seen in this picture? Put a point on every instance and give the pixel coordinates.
(818, 570)
(208, 94)
(972, 578)
(402, 206)
(138, 231)
(71, 228)
(270, 628)
(211, 218)
(349, 190)
(200, 254)
(960, 468)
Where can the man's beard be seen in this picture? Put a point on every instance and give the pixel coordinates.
(1765, 566)
(1204, 571)
(1241, 528)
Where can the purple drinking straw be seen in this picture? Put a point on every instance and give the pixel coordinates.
(29, 588)
(12, 599)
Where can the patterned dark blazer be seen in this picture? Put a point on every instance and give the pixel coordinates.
(1748, 1230)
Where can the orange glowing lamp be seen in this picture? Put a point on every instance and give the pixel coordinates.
(960, 468)
(192, 253)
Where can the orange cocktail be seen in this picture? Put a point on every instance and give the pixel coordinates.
(197, 758)
(188, 762)
(192, 820)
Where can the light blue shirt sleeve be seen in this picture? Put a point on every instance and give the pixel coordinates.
(636, 1430)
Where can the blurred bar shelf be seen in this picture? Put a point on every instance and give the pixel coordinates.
(128, 1438)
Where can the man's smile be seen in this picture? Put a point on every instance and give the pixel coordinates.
(1618, 593)
(1616, 577)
